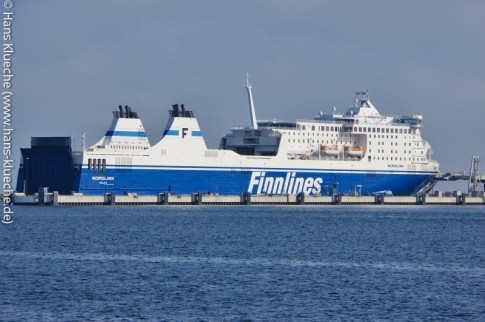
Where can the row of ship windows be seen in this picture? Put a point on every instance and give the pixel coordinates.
(131, 147)
(392, 143)
(329, 142)
(385, 137)
(396, 159)
(344, 135)
(393, 151)
(97, 164)
(313, 141)
(362, 129)
(310, 134)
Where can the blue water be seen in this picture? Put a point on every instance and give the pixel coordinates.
(243, 263)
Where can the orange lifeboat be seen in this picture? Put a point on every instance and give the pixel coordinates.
(353, 151)
(330, 150)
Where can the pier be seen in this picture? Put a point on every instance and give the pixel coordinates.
(165, 198)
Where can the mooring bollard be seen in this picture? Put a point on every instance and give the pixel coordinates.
(162, 198)
(300, 198)
(245, 198)
(196, 198)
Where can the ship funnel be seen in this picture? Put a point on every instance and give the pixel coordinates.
(176, 110)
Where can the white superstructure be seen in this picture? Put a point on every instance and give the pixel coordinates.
(360, 135)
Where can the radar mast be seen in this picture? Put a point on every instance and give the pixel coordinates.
(249, 87)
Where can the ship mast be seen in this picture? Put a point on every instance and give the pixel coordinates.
(251, 103)
(84, 140)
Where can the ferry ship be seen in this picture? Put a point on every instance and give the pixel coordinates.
(358, 152)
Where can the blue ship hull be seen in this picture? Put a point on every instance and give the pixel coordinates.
(226, 181)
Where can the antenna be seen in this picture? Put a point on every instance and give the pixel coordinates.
(249, 87)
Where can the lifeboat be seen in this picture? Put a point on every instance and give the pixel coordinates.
(330, 150)
(353, 151)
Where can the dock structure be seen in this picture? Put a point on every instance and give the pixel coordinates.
(475, 180)
(463, 176)
(166, 198)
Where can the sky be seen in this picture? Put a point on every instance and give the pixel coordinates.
(76, 61)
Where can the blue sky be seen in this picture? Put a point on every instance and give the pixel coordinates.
(75, 62)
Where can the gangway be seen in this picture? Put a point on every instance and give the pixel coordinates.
(475, 180)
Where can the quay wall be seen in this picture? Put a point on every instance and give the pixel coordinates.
(243, 199)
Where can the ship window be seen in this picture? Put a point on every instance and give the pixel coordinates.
(369, 158)
(251, 141)
(104, 164)
(387, 130)
(326, 128)
(378, 130)
(89, 164)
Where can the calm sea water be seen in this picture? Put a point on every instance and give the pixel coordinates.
(243, 263)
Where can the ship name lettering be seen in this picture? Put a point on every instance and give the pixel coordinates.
(289, 184)
(99, 178)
